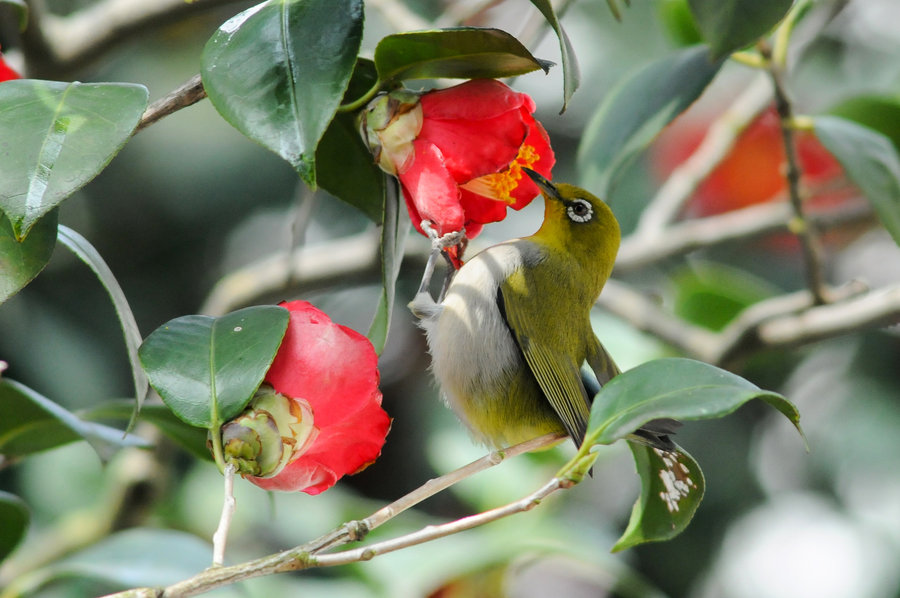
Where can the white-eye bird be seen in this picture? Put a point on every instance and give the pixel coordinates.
(513, 331)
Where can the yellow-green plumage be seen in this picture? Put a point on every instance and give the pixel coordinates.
(509, 339)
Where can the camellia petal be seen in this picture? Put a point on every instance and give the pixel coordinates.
(6, 72)
(334, 369)
(466, 165)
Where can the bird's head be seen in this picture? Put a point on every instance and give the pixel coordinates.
(578, 223)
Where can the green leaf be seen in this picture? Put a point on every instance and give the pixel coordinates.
(713, 294)
(870, 161)
(56, 137)
(571, 74)
(278, 71)
(636, 111)
(14, 520)
(344, 166)
(188, 437)
(676, 17)
(21, 9)
(732, 24)
(30, 422)
(87, 254)
(460, 53)
(206, 369)
(21, 261)
(393, 238)
(672, 487)
(677, 388)
(127, 559)
(881, 113)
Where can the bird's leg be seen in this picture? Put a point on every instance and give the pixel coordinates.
(423, 304)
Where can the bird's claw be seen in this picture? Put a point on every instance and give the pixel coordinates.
(442, 242)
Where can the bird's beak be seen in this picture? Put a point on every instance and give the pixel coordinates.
(546, 187)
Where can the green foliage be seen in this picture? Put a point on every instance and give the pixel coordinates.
(571, 73)
(880, 113)
(634, 113)
(871, 162)
(14, 519)
(257, 74)
(712, 294)
(206, 369)
(21, 261)
(672, 486)
(344, 166)
(57, 137)
(30, 422)
(672, 483)
(729, 25)
(676, 16)
(462, 53)
(393, 238)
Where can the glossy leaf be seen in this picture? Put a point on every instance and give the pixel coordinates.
(881, 113)
(89, 255)
(188, 437)
(134, 558)
(712, 294)
(206, 369)
(672, 487)
(344, 166)
(30, 422)
(870, 161)
(636, 111)
(14, 520)
(460, 53)
(677, 388)
(571, 72)
(732, 24)
(278, 71)
(393, 238)
(56, 137)
(21, 261)
(679, 23)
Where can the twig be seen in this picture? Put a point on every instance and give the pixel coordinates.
(186, 95)
(800, 226)
(62, 43)
(638, 251)
(220, 538)
(305, 556)
(720, 138)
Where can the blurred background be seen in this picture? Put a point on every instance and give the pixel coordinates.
(190, 200)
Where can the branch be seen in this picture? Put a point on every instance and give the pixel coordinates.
(638, 251)
(718, 142)
(186, 95)
(305, 556)
(64, 43)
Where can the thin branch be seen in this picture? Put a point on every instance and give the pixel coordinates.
(638, 251)
(186, 95)
(306, 555)
(61, 43)
(220, 538)
(720, 138)
(800, 226)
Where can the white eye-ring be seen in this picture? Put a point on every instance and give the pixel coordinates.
(580, 210)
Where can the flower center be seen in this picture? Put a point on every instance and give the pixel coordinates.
(500, 185)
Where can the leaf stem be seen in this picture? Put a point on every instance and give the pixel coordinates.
(363, 99)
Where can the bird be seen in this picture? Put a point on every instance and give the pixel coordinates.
(511, 342)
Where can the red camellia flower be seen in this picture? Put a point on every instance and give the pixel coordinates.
(6, 72)
(459, 152)
(326, 376)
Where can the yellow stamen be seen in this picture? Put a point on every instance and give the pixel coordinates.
(500, 185)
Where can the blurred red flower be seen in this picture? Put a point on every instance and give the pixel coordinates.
(332, 370)
(459, 152)
(6, 72)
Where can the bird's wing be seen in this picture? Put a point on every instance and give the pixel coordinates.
(601, 361)
(542, 347)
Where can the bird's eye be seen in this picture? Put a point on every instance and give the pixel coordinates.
(579, 210)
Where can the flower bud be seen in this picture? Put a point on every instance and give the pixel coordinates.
(269, 434)
(389, 125)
